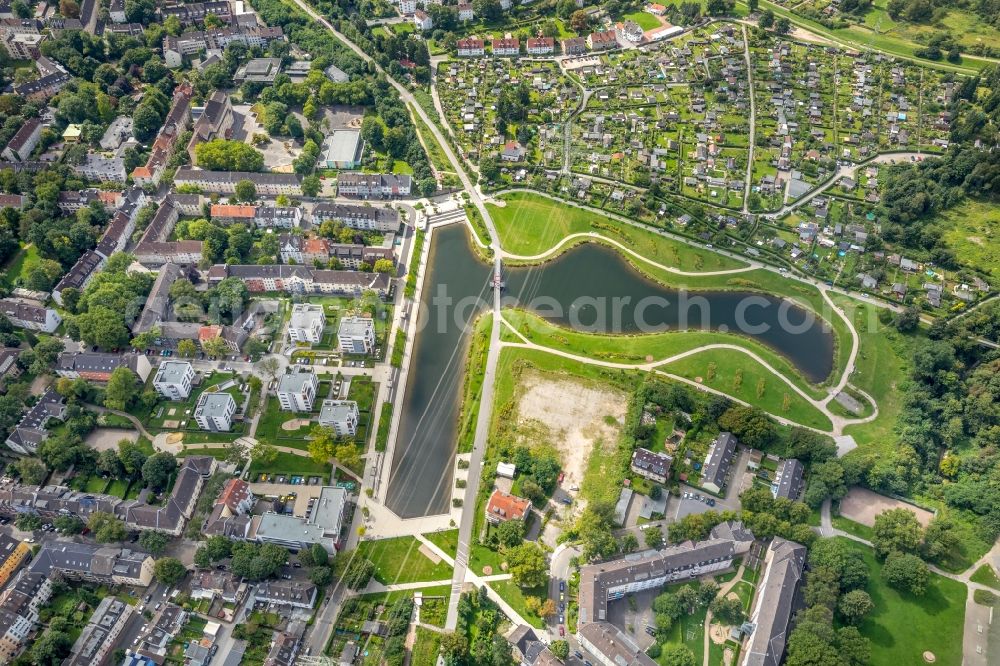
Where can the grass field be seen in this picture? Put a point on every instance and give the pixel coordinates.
(289, 463)
(479, 556)
(425, 649)
(972, 230)
(530, 224)
(985, 575)
(645, 20)
(399, 560)
(515, 596)
(25, 258)
(903, 626)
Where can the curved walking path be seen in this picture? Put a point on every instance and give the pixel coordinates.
(723, 591)
(593, 235)
(838, 423)
(134, 421)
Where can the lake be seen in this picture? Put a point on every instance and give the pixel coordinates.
(589, 288)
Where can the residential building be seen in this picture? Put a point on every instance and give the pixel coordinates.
(23, 46)
(466, 12)
(98, 638)
(15, 201)
(213, 121)
(513, 151)
(156, 310)
(541, 45)
(195, 12)
(296, 594)
(717, 462)
(98, 366)
(30, 430)
(13, 553)
(171, 516)
(606, 582)
(85, 268)
(223, 584)
(650, 465)
(231, 513)
(574, 46)
(176, 123)
(23, 142)
(214, 411)
(471, 47)
(230, 213)
(297, 391)
(629, 31)
(8, 365)
(784, 564)
(407, 7)
(306, 323)
(364, 218)
(341, 415)
(323, 524)
(117, 11)
(155, 250)
(19, 606)
(118, 132)
(422, 20)
(281, 217)
(788, 481)
(342, 149)
(119, 233)
(102, 168)
(94, 563)
(503, 507)
(507, 46)
(356, 335)
(33, 315)
(173, 380)
(301, 280)
(375, 186)
(286, 645)
(305, 250)
(603, 40)
(44, 87)
(190, 43)
(224, 182)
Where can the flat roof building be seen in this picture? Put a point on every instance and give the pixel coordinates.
(306, 323)
(173, 380)
(323, 524)
(297, 391)
(342, 149)
(356, 335)
(215, 411)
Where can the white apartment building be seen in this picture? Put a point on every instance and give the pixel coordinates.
(297, 391)
(356, 335)
(306, 323)
(173, 380)
(215, 411)
(341, 415)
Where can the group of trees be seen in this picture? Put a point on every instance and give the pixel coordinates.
(490, 648)
(227, 155)
(834, 588)
(111, 298)
(325, 444)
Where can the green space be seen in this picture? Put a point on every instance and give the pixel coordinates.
(645, 20)
(852, 527)
(530, 224)
(972, 230)
(425, 649)
(269, 426)
(399, 560)
(689, 629)
(384, 423)
(515, 596)
(902, 626)
(472, 390)
(19, 264)
(479, 555)
(291, 464)
(985, 575)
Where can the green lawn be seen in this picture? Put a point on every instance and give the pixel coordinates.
(689, 630)
(399, 560)
(269, 426)
(479, 556)
(903, 626)
(529, 224)
(384, 424)
(289, 463)
(853, 528)
(645, 20)
(515, 596)
(985, 575)
(19, 264)
(972, 230)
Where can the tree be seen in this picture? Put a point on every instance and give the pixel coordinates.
(855, 605)
(169, 571)
(906, 319)
(359, 571)
(896, 530)
(311, 185)
(384, 266)
(548, 609)
(727, 610)
(906, 572)
(527, 565)
(628, 543)
(848, 563)
(68, 524)
(510, 533)
(187, 348)
(120, 390)
(717, 7)
(31, 470)
(752, 426)
(132, 457)
(676, 655)
(687, 597)
(263, 453)
(579, 21)
(654, 537)
(227, 155)
(157, 469)
(28, 522)
(246, 191)
(106, 528)
(153, 542)
(321, 576)
(782, 25)
(270, 367)
(51, 647)
(454, 646)
(560, 649)
(766, 19)
(216, 347)
(103, 327)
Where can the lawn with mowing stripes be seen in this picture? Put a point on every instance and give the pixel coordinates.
(399, 560)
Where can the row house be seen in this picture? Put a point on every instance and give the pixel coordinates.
(471, 47)
(29, 314)
(363, 218)
(155, 250)
(196, 12)
(301, 280)
(373, 186)
(224, 182)
(177, 121)
(190, 43)
(298, 249)
(508, 46)
(541, 45)
(30, 430)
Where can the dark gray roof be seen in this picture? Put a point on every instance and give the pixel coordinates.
(788, 480)
(654, 463)
(719, 457)
(158, 304)
(774, 603)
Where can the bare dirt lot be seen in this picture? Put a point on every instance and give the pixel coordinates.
(862, 505)
(571, 415)
(101, 439)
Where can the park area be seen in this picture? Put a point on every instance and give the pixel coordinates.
(403, 560)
